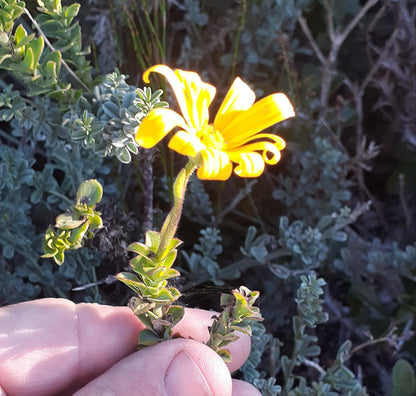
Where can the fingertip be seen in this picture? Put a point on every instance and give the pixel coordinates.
(175, 367)
(197, 370)
(240, 351)
(242, 388)
(195, 325)
(105, 333)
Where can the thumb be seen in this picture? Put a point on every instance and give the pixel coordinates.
(178, 367)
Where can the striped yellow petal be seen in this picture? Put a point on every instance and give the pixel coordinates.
(186, 143)
(216, 165)
(263, 114)
(266, 147)
(240, 97)
(193, 95)
(249, 164)
(156, 125)
(199, 96)
(277, 140)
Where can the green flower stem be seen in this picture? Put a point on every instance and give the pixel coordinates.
(170, 225)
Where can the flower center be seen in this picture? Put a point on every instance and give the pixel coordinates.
(211, 137)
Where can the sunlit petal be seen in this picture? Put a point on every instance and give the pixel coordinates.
(240, 97)
(177, 87)
(216, 165)
(249, 164)
(193, 95)
(199, 96)
(278, 141)
(156, 125)
(263, 114)
(266, 147)
(186, 143)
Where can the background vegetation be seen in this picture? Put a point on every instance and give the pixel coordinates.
(327, 236)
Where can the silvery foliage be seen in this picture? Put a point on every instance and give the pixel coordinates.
(202, 263)
(335, 380)
(106, 122)
(322, 185)
(37, 155)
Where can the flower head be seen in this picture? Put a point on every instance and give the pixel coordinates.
(233, 137)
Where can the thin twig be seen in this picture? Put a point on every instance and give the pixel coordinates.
(330, 19)
(10, 138)
(380, 60)
(312, 42)
(402, 189)
(48, 43)
(358, 93)
(337, 40)
(241, 194)
(357, 18)
(316, 366)
(390, 338)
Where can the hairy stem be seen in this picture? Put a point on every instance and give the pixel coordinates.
(171, 223)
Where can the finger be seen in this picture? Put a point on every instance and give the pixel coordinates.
(176, 367)
(242, 388)
(47, 345)
(195, 325)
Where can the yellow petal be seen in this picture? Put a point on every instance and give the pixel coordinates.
(186, 144)
(263, 114)
(216, 165)
(249, 164)
(199, 96)
(193, 95)
(239, 97)
(156, 125)
(266, 147)
(278, 141)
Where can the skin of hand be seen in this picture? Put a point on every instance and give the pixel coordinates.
(55, 347)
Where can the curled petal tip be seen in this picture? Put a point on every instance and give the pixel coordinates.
(155, 68)
(284, 105)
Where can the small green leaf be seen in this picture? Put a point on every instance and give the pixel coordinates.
(404, 381)
(152, 240)
(90, 193)
(127, 277)
(4, 39)
(96, 222)
(111, 109)
(176, 312)
(72, 11)
(21, 37)
(68, 221)
(225, 354)
(147, 337)
(139, 248)
(139, 306)
(27, 63)
(37, 47)
(77, 234)
(51, 64)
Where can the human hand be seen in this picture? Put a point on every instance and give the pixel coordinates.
(52, 346)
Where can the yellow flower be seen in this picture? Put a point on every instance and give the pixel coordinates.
(234, 135)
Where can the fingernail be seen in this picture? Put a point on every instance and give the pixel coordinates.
(184, 377)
